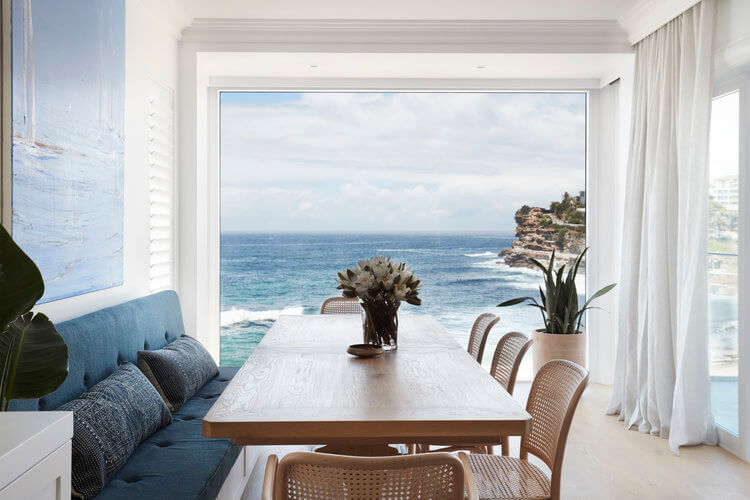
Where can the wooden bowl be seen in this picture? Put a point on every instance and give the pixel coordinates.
(365, 350)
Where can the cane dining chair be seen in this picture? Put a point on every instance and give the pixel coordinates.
(340, 305)
(479, 333)
(318, 476)
(552, 401)
(509, 353)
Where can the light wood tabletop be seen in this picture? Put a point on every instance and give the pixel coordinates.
(301, 387)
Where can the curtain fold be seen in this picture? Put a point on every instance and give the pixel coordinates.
(661, 383)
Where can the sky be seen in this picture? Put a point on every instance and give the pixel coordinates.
(396, 162)
(724, 149)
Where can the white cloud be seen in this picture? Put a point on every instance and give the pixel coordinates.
(410, 161)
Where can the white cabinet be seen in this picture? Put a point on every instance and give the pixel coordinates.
(35, 455)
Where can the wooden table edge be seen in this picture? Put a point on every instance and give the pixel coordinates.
(314, 432)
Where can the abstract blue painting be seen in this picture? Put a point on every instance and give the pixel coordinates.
(68, 93)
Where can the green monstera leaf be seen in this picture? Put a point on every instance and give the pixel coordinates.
(33, 355)
(21, 283)
(38, 357)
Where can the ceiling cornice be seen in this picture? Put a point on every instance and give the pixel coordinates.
(646, 16)
(412, 36)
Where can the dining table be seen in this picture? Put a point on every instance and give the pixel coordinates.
(300, 386)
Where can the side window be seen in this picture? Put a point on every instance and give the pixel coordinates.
(723, 236)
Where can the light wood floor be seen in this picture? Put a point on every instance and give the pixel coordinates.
(604, 461)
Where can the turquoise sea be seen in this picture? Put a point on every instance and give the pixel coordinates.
(265, 275)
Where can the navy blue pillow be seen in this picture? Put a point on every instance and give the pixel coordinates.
(178, 370)
(109, 421)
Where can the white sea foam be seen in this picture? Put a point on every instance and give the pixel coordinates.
(483, 254)
(496, 263)
(403, 250)
(234, 315)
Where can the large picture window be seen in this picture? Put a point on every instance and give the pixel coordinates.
(464, 187)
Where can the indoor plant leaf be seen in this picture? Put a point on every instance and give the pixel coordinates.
(513, 302)
(21, 283)
(39, 363)
(559, 297)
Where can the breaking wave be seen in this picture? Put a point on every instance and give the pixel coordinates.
(235, 316)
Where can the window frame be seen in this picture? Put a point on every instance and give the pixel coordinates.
(740, 444)
(211, 337)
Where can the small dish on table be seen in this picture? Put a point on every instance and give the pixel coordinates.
(365, 350)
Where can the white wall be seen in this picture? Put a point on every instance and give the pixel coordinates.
(610, 117)
(732, 42)
(150, 56)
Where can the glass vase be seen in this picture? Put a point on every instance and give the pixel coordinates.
(380, 323)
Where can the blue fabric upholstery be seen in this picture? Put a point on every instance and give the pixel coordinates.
(98, 342)
(109, 422)
(178, 370)
(177, 462)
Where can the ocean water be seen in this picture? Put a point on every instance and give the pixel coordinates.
(266, 275)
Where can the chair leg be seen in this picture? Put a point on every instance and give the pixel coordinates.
(505, 446)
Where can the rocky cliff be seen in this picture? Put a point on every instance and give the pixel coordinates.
(539, 231)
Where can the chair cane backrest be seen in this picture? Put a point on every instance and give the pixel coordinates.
(479, 332)
(340, 305)
(509, 353)
(554, 395)
(319, 476)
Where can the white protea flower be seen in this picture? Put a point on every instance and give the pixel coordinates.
(387, 283)
(400, 291)
(380, 270)
(379, 278)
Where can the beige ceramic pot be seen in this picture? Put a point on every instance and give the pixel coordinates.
(549, 346)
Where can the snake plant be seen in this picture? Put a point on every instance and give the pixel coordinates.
(559, 298)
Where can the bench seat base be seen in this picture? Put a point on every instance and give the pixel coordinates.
(177, 462)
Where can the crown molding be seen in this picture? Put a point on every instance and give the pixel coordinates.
(411, 36)
(646, 16)
(732, 57)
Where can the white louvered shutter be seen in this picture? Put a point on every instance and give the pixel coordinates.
(161, 186)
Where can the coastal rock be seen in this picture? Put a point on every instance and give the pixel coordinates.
(539, 231)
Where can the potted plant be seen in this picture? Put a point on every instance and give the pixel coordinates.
(380, 285)
(33, 355)
(561, 337)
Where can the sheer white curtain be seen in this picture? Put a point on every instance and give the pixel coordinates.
(661, 382)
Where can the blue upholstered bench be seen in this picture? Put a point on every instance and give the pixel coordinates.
(177, 461)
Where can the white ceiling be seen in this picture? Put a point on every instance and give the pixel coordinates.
(256, 61)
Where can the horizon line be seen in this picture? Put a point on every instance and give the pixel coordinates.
(399, 232)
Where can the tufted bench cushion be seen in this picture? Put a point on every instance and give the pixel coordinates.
(177, 461)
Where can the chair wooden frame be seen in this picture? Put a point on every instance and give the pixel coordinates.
(551, 375)
(480, 330)
(367, 477)
(340, 305)
(519, 344)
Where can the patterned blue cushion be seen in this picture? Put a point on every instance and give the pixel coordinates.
(178, 370)
(109, 421)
